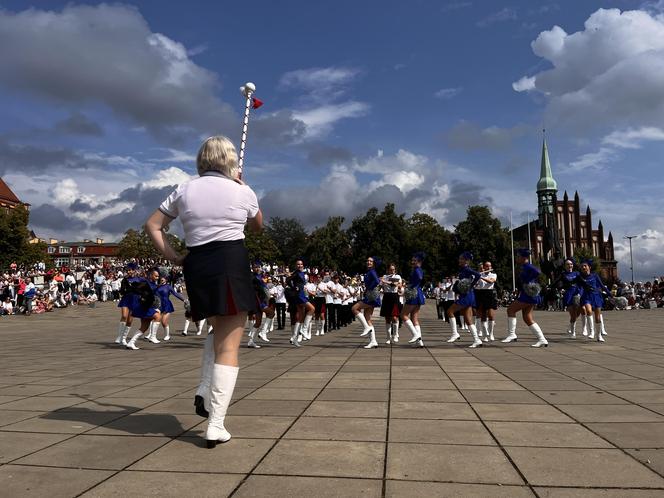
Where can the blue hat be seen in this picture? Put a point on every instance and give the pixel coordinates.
(377, 261)
(132, 266)
(467, 255)
(419, 255)
(570, 260)
(587, 261)
(524, 252)
(257, 262)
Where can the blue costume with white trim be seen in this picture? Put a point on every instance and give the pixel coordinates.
(529, 274)
(591, 293)
(125, 290)
(415, 282)
(371, 282)
(571, 281)
(299, 280)
(468, 299)
(137, 309)
(164, 291)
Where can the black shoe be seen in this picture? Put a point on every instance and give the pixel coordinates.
(199, 403)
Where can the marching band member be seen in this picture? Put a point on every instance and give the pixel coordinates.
(413, 299)
(389, 309)
(320, 310)
(125, 301)
(164, 291)
(592, 301)
(526, 301)
(364, 309)
(304, 310)
(468, 278)
(571, 283)
(144, 304)
(487, 300)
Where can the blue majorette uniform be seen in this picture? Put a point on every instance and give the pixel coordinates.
(262, 292)
(299, 281)
(372, 293)
(592, 291)
(468, 298)
(529, 275)
(415, 283)
(126, 291)
(572, 284)
(144, 302)
(163, 292)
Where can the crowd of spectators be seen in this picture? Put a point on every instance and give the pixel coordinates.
(38, 290)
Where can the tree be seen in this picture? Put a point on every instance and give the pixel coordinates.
(329, 245)
(289, 236)
(138, 245)
(14, 239)
(424, 233)
(260, 246)
(380, 234)
(584, 253)
(482, 234)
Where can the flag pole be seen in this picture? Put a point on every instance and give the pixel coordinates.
(530, 247)
(512, 239)
(247, 90)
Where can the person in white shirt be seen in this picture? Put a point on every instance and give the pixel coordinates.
(319, 303)
(487, 300)
(214, 210)
(280, 300)
(329, 288)
(390, 307)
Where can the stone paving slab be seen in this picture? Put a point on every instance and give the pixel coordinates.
(332, 419)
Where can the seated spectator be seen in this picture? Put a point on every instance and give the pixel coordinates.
(7, 307)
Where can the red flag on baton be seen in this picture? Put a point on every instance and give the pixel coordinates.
(256, 103)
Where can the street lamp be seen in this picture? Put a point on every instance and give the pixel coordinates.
(631, 261)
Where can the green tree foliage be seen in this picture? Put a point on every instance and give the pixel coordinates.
(138, 245)
(329, 246)
(482, 234)
(289, 236)
(260, 246)
(584, 253)
(381, 234)
(14, 239)
(424, 233)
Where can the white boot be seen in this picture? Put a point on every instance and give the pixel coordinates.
(121, 329)
(413, 330)
(186, 327)
(167, 330)
(585, 325)
(265, 329)
(252, 334)
(590, 324)
(296, 332)
(372, 342)
(154, 327)
(395, 333)
(477, 342)
(361, 318)
(602, 330)
(572, 326)
(201, 324)
(132, 342)
(455, 333)
(485, 328)
(388, 332)
(420, 342)
(492, 325)
(209, 329)
(202, 398)
(569, 328)
(126, 332)
(511, 330)
(541, 341)
(478, 327)
(221, 391)
(305, 329)
(600, 337)
(317, 326)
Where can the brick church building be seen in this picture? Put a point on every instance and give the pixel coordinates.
(561, 228)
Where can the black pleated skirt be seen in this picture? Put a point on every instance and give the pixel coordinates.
(218, 279)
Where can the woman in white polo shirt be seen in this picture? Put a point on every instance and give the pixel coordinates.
(214, 209)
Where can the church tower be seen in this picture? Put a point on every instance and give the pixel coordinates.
(547, 201)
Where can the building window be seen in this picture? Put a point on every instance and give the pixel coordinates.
(51, 249)
(81, 249)
(64, 250)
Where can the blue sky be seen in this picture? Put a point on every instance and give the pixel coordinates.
(431, 105)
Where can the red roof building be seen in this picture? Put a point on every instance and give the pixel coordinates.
(8, 199)
(87, 252)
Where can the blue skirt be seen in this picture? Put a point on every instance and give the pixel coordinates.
(138, 311)
(568, 297)
(417, 301)
(167, 306)
(375, 303)
(525, 298)
(466, 300)
(595, 299)
(301, 298)
(125, 301)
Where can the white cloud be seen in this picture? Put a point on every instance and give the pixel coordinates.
(447, 93)
(175, 156)
(324, 83)
(320, 120)
(608, 75)
(503, 15)
(166, 177)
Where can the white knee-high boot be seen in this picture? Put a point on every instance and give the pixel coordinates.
(252, 334)
(167, 332)
(477, 342)
(296, 332)
(372, 340)
(541, 340)
(478, 326)
(590, 324)
(511, 329)
(202, 398)
(492, 325)
(485, 329)
(304, 330)
(572, 326)
(602, 330)
(154, 327)
(395, 332)
(267, 326)
(121, 329)
(455, 333)
(388, 332)
(221, 391)
(366, 327)
(186, 327)
(126, 332)
(132, 342)
(420, 342)
(413, 330)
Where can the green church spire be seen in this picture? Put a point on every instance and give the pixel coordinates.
(546, 181)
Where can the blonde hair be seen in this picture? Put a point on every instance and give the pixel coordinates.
(217, 154)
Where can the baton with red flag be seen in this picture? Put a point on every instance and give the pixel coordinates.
(252, 102)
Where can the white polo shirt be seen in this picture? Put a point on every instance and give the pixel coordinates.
(211, 208)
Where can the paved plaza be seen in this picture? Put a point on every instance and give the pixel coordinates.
(80, 416)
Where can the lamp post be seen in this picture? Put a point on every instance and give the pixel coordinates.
(631, 260)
